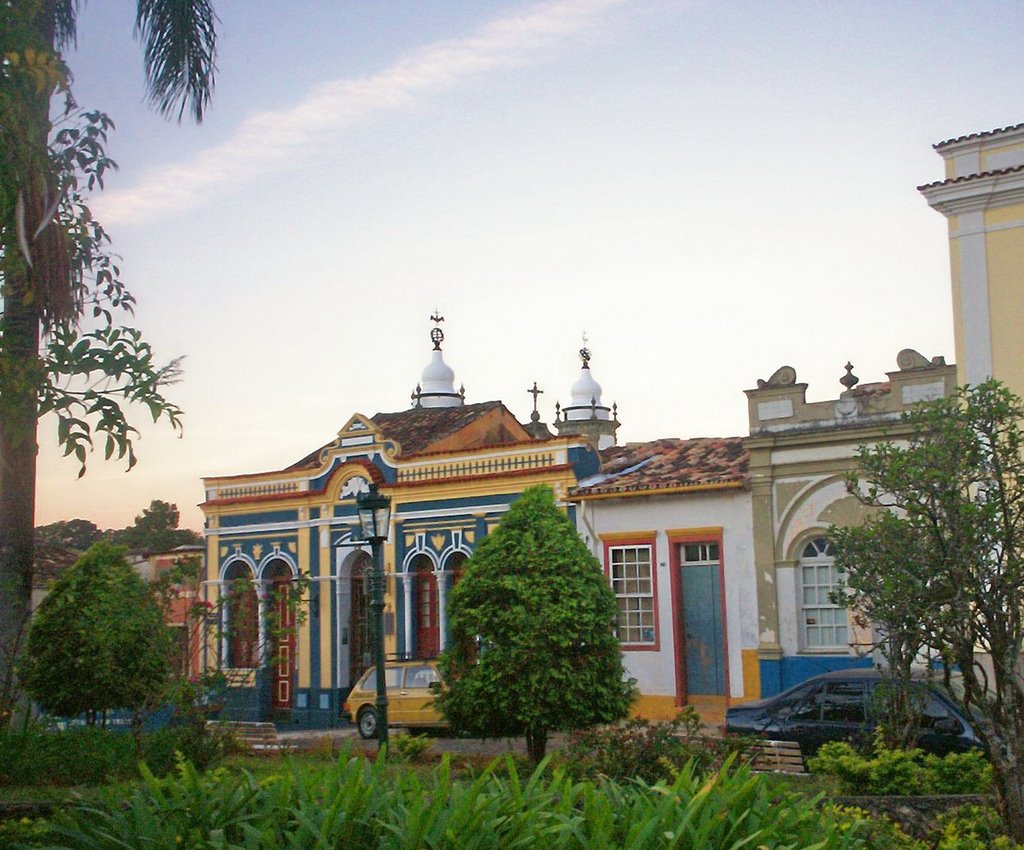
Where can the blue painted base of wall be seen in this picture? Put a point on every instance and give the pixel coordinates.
(790, 670)
(241, 704)
(311, 709)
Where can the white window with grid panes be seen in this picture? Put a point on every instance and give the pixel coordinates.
(823, 625)
(632, 580)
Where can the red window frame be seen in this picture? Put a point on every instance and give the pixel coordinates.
(619, 542)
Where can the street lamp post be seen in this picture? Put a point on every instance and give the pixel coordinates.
(374, 517)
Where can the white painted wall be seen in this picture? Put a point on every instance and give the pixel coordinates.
(655, 671)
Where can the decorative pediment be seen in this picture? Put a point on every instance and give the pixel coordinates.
(358, 431)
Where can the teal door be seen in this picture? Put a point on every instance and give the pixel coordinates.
(700, 582)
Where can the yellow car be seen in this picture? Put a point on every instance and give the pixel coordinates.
(412, 687)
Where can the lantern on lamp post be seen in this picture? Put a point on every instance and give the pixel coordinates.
(374, 518)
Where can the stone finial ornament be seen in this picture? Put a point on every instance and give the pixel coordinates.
(784, 376)
(849, 380)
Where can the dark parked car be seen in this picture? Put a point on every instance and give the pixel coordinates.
(839, 706)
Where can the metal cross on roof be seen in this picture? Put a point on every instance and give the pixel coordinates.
(535, 392)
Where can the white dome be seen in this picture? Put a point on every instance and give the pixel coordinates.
(586, 398)
(438, 377)
(585, 389)
(437, 384)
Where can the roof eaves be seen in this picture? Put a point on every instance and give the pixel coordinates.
(967, 178)
(578, 494)
(984, 134)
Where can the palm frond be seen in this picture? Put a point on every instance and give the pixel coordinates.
(180, 44)
(65, 17)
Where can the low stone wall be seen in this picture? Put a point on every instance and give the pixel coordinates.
(915, 815)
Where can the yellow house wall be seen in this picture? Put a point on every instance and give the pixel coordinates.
(1005, 250)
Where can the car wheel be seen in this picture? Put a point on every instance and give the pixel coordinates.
(367, 723)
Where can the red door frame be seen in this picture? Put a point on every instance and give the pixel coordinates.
(675, 540)
(284, 643)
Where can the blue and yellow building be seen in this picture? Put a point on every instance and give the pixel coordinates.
(451, 469)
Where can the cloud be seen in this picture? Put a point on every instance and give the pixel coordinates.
(268, 138)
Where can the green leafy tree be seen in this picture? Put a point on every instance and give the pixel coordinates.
(533, 648)
(61, 350)
(156, 530)
(76, 534)
(98, 640)
(941, 567)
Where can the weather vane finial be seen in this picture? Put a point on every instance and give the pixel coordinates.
(585, 352)
(436, 334)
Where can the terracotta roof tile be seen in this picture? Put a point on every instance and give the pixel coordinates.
(416, 429)
(878, 388)
(420, 427)
(982, 135)
(966, 177)
(669, 463)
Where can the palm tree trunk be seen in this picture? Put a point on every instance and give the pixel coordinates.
(18, 417)
(19, 381)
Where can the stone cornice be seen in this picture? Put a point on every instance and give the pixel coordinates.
(976, 193)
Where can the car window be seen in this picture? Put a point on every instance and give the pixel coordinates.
(809, 707)
(934, 710)
(420, 677)
(844, 703)
(392, 679)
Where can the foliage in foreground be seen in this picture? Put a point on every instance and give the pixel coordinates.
(533, 648)
(638, 749)
(357, 804)
(903, 772)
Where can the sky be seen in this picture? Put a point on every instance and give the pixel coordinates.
(707, 190)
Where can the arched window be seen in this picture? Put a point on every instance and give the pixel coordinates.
(823, 624)
(241, 620)
(428, 634)
(453, 566)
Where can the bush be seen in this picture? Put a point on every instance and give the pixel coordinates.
(358, 804)
(973, 828)
(85, 756)
(24, 832)
(637, 749)
(98, 640)
(878, 833)
(201, 746)
(902, 772)
(94, 756)
(409, 748)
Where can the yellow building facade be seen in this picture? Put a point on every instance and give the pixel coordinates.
(982, 197)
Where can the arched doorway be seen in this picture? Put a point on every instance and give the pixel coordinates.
(281, 603)
(428, 633)
(359, 642)
(240, 618)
